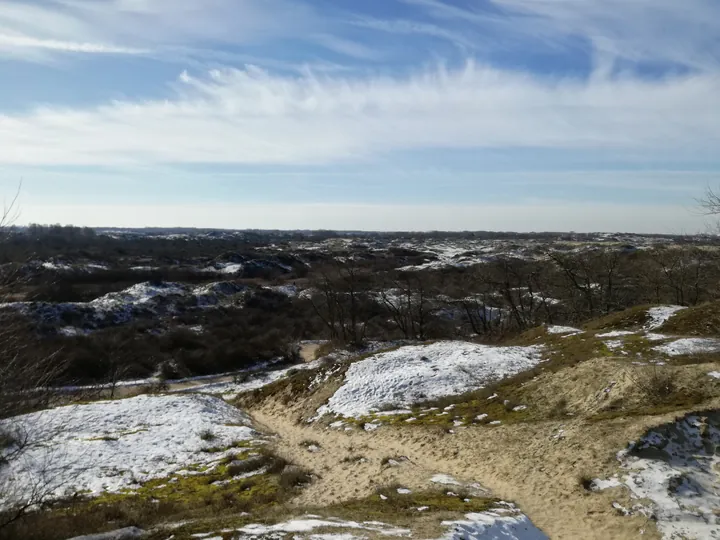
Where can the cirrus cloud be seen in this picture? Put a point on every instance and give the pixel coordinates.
(251, 116)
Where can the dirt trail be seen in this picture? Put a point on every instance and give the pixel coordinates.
(524, 463)
(308, 351)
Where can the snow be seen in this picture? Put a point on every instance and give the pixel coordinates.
(108, 446)
(660, 315)
(493, 525)
(689, 346)
(290, 291)
(714, 374)
(445, 480)
(72, 331)
(141, 293)
(563, 330)
(417, 373)
(674, 466)
(652, 336)
(615, 333)
(49, 265)
(231, 268)
(121, 307)
(310, 523)
(505, 523)
(230, 389)
(599, 485)
(614, 344)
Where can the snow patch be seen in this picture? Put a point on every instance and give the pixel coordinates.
(615, 333)
(675, 467)
(112, 445)
(310, 523)
(660, 315)
(489, 525)
(562, 330)
(445, 479)
(253, 380)
(689, 346)
(418, 373)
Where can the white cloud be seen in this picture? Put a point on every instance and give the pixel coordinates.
(638, 30)
(251, 116)
(410, 27)
(684, 33)
(21, 42)
(519, 217)
(161, 26)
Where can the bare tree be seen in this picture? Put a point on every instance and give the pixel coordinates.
(26, 380)
(407, 299)
(341, 300)
(709, 204)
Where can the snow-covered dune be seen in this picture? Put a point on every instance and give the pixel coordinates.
(140, 300)
(418, 373)
(112, 445)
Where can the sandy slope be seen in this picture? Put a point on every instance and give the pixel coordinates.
(528, 464)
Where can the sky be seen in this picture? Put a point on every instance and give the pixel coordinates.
(525, 115)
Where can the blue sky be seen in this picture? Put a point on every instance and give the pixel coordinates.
(374, 114)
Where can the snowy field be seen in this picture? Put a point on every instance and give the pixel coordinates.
(113, 445)
(419, 373)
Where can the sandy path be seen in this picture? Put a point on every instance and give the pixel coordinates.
(308, 351)
(523, 463)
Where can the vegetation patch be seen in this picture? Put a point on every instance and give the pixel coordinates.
(401, 509)
(702, 320)
(633, 318)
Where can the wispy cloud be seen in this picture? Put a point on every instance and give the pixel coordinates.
(12, 42)
(410, 27)
(252, 116)
(161, 27)
(684, 33)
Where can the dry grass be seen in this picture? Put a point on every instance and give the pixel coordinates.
(629, 319)
(657, 385)
(702, 320)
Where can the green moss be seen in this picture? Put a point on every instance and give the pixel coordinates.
(388, 506)
(202, 494)
(103, 438)
(234, 444)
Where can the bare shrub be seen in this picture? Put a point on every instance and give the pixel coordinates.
(656, 385)
(207, 435)
(294, 477)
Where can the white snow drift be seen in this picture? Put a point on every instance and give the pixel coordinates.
(112, 445)
(503, 522)
(689, 346)
(142, 299)
(418, 373)
(675, 467)
(657, 316)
